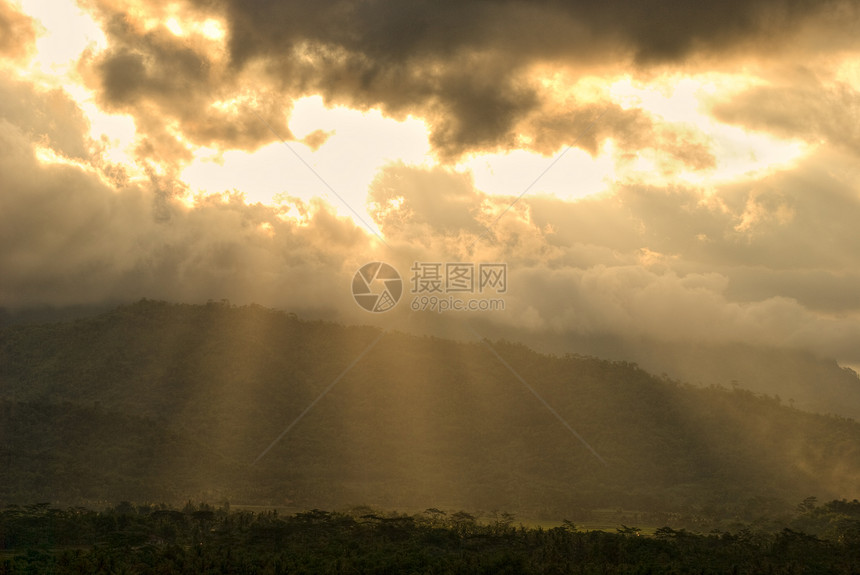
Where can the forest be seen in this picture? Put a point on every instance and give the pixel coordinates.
(200, 538)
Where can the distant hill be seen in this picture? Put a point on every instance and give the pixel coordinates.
(158, 401)
(810, 383)
(798, 377)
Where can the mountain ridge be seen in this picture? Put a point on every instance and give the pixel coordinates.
(418, 421)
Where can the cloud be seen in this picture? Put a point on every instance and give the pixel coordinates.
(467, 68)
(70, 235)
(180, 91)
(50, 118)
(761, 261)
(765, 258)
(17, 33)
(316, 139)
(468, 62)
(810, 107)
(412, 203)
(392, 32)
(827, 291)
(68, 238)
(629, 264)
(632, 303)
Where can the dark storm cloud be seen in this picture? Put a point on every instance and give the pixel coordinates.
(466, 60)
(172, 86)
(17, 33)
(462, 66)
(556, 125)
(393, 32)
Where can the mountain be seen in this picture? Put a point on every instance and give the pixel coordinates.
(158, 401)
(801, 378)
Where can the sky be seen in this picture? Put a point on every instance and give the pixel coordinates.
(676, 172)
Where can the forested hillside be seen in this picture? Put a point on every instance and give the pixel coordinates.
(164, 402)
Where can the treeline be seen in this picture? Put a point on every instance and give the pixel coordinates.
(204, 539)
